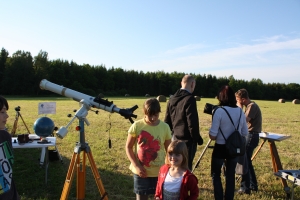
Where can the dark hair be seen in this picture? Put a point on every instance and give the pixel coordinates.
(151, 107)
(3, 102)
(178, 147)
(242, 93)
(226, 96)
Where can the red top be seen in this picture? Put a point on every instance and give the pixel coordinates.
(189, 187)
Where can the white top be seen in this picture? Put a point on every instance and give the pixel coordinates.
(171, 188)
(221, 119)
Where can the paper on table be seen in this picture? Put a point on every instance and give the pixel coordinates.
(273, 136)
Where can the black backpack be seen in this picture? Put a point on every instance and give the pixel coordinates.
(235, 143)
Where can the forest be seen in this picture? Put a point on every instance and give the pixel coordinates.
(21, 73)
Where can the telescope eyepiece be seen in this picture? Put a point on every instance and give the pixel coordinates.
(18, 108)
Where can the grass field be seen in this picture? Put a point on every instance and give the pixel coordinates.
(112, 163)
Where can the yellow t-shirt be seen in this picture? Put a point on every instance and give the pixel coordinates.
(150, 149)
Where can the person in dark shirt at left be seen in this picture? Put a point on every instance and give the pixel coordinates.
(8, 189)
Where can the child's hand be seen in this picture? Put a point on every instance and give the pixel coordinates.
(156, 198)
(141, 171)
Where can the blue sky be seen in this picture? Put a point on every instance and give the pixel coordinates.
(247, 39)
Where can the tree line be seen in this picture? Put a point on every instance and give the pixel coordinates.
(20, 74)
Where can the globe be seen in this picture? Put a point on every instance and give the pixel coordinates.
(43, 127)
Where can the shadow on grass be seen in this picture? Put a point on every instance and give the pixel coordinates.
(29, 177)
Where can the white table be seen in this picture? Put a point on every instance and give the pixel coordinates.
(35, 144)
(276, 163)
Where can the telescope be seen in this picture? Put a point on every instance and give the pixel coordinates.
(87, 102)
(209, 108)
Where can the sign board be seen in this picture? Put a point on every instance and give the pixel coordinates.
(47, 108)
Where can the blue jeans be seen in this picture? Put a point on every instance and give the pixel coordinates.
(249, 179)
(216, 164)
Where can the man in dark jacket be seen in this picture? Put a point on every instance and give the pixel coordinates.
(182, 117)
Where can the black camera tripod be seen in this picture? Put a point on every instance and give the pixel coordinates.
(18, 114)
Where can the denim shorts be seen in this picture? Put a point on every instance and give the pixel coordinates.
(144, 186)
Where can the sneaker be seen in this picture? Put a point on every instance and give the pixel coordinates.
(243, 190)
(254, 189)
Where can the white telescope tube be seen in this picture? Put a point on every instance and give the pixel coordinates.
(88, 101)
(77, 96)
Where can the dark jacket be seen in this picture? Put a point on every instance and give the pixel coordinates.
(182, 116)
(8, 190)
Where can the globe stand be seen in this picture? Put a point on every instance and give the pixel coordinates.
(44, 141)
(81, 148)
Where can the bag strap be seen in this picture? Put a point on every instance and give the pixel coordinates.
(231, 122)
(231, 119)
(213, 112)
(213, 117)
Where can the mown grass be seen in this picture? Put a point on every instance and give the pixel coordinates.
(112, 163)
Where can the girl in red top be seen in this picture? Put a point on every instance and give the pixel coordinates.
(175, 181)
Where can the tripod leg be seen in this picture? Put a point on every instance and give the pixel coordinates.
(24, 122)
(204, 150)
(13, 131)
(277, 163)
(69, 177)
(43, 154)
(81, 178)
(258, 149)
(97, 176)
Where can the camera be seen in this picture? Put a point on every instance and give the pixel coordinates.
(18, 108)
(209, 108)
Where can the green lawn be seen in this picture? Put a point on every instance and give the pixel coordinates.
(112, 163)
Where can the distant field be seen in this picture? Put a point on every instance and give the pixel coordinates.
(112, 163)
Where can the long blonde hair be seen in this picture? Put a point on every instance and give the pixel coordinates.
(178, 147)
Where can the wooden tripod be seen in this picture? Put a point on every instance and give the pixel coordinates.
(18, 114)
(83, 147)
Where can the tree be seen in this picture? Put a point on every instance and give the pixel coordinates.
(256, 88)
(41, 67)
(3, 57)
(19, 74)
(23, 74)
(211, 86)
